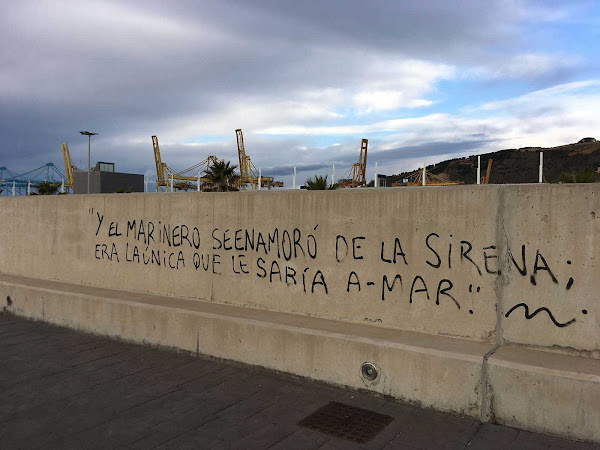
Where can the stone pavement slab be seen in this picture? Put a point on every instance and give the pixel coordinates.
(63, 389)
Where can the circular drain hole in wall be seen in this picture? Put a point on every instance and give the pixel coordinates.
(369, 371)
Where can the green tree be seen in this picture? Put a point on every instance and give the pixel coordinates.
(319, 183)
(47, 188)
(221, 176)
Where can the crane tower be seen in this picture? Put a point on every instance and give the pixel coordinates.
(249, 174)
(358, 174)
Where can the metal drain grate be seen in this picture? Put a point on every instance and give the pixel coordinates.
(347, 422)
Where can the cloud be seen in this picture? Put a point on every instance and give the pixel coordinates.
(387, 100)
(384, 157)
(527, 66)
(568, 100)
(548, 117)
(298, 79)
(577, 91)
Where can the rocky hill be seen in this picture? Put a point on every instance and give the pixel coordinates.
(517, 165)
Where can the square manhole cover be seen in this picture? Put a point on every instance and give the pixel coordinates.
(347, 422)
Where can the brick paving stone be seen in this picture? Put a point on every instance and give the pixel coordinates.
(265, 436)
(308, 397)
(302, 439)
(339, 444)
(397, 445)
(216, 378)
(63, 389)
(117, 431)
(275, 387)
(178, 425)
(194, 439)
(153, 440)
(565, 444)
(244, 409)
(416, 439)
(494, 437)
(231, 430)
(529, 440)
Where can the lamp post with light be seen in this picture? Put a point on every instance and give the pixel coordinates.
(89, 134)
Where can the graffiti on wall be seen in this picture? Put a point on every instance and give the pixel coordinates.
(297, 258)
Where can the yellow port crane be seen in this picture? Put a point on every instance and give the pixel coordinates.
(69, 168)
(167, 177)
(486, 178)
(358, 174)
(249, 175)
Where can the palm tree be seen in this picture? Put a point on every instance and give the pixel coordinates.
(319, 183)
(47, 188)
(221, 176)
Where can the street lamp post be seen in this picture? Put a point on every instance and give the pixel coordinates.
(89, 134)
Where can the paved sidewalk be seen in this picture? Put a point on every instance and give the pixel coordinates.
(64, 389)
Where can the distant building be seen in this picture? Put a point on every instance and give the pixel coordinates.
(383, 181)
(587, 139)
(104, 180)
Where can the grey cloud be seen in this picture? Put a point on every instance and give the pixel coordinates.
(415, 28)
(285, 170)
(138, 81)
(426, 150)
(429, 150)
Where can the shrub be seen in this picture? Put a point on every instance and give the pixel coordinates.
(578, 177)
(47, 188)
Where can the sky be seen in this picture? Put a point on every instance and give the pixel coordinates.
(423, 80)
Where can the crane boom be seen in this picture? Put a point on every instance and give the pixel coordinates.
(362, 178)
(68, 165)
(241, 153)
(160, 167)
(486, 178)
(202, 166)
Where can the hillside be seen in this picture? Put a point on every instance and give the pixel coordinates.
(517, 165)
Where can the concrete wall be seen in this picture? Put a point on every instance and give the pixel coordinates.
(560, 230)
(487, 266)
